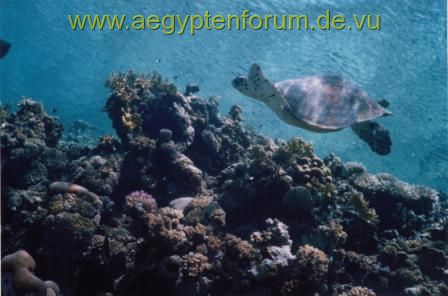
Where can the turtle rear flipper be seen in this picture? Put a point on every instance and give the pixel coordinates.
(376, 136)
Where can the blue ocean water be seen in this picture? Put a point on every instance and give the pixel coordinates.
(405, 62)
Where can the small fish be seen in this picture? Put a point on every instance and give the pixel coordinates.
(180, 203)
(54, 110)
(4, 48)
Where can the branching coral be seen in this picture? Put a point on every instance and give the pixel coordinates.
(240, 249)
(313, 263)
(333, 233)
(356, 201)
(358, 291)
(194, 265)
(166, 225)
(204, 210)
(398, 204)
(294, 149)
(143, 200)
(107, 144)
(419, 198)
(123, 83)
(130, 92)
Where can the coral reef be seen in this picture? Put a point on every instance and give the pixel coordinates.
(185, 202)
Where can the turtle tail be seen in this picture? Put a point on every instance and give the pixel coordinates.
(376, 136)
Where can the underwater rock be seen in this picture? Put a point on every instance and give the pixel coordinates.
(358, 268)
(23, 209)
(4, 48)
(354, 169)
(275, 234)
(21, 266)
(311, 172)
(101, 174)
(299, 198)
(181, 175)
(432, 261)
(25, 135)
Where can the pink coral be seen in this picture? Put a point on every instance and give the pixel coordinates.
(141, 199)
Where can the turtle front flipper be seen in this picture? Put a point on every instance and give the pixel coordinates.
(256, 85)
(376, 136)
(261, 87)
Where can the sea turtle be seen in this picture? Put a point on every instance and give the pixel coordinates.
(325, 103)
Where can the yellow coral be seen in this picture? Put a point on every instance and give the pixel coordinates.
(361, 206)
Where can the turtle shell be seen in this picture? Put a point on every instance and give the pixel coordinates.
(328, 101)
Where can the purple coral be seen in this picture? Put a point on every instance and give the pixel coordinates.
(141, 199)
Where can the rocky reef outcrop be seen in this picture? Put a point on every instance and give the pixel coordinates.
(186, 202)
